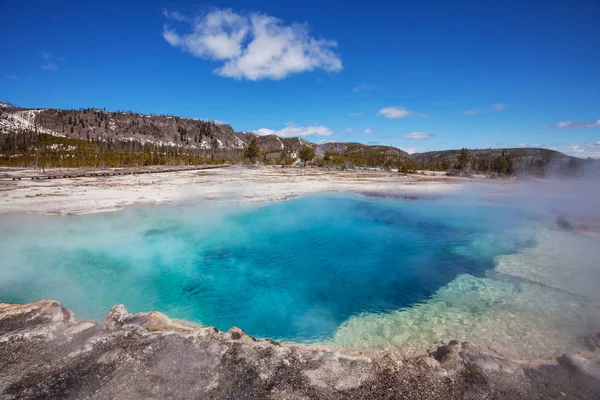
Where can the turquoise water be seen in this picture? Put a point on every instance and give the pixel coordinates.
(292, 270)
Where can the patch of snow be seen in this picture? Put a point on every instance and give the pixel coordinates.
(23, 120)
(281, 143)
(239, 144)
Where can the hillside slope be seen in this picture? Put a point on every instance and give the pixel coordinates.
(98, 137)
(509, 161)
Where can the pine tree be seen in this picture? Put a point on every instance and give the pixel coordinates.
(306, 154)
(252, 152)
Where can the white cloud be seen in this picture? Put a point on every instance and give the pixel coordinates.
(582, 150)
(570, 124)
(563, 124)
(253, 46)
(417, 135)
(412, 150)
(296, 131)
(176, 16)
(369, 131)
(493, 108)
(397, 112)
(362, 87)
(522, 144)
(49, 63)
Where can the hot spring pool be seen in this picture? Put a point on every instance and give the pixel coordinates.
(291, 270)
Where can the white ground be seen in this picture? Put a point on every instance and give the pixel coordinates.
(98, 194)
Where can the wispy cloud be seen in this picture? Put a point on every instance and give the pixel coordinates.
(49, 62)
(12, 77)
(176, 16)
(582, 150)
(356, 114)
(417, 135)
(369, 131)
(571, 124)
(296, 131)
(252, 46)
(387, 137)
(398, 112)
(477, 111)
(362, 87)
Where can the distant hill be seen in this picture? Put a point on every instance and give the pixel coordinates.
(508, 161)
(97, 137)
(123, 131)
(361, 154)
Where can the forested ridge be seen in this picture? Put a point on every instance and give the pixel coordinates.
(46, 138)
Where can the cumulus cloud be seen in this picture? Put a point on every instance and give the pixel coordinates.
(477, 111)
(397, 112)
(571, 124)
(252, 46)
(296, 131)
(369, 131)
(417, 135)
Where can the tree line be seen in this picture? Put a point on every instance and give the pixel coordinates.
(28, 148)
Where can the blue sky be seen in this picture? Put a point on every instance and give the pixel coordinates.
(419, 75)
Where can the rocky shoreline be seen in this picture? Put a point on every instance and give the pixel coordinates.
(46, 353)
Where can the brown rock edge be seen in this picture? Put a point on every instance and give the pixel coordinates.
(45, 353)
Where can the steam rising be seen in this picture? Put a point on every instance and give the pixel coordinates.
(536, 302)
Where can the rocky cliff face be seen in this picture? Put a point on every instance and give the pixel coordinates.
(45, 353)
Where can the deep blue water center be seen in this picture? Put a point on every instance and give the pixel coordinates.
(292, 270)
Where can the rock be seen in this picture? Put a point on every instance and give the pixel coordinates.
(45, 353)
(581, 365)
(593, 341)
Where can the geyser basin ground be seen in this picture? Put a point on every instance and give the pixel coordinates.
(342, 269)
